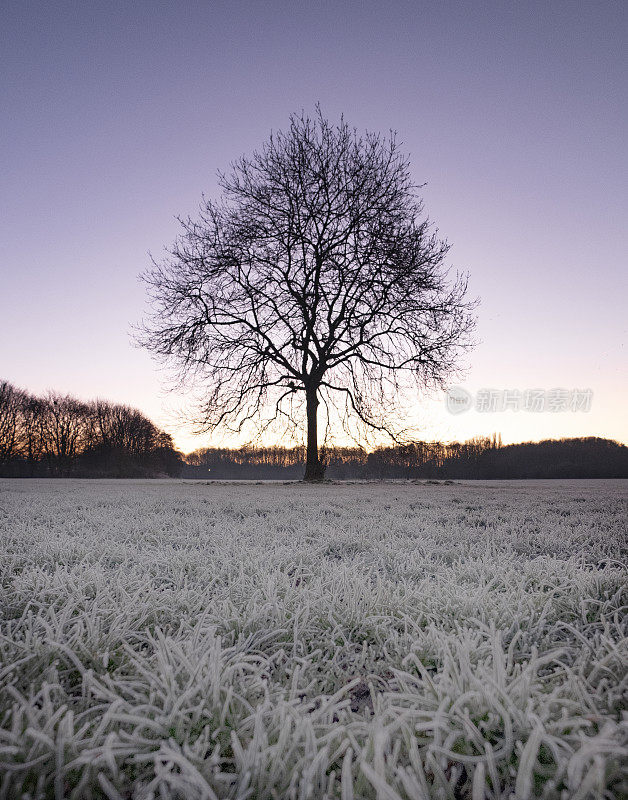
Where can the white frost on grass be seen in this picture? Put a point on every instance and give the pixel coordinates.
(172, 640)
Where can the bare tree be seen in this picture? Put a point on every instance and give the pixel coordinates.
(31, 440)
(65, 425)
(315, 279)
(11, 401)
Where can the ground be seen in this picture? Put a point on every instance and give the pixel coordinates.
(401, 640)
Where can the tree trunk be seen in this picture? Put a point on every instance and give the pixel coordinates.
(314, 469)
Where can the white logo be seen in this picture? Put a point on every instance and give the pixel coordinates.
(458, 400)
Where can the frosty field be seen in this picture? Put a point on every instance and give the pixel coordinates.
(190, 640)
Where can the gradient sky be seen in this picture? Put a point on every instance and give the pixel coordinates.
(116, 116)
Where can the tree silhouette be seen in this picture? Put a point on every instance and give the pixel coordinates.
(314, 279)
(11, 400)
(65, 426)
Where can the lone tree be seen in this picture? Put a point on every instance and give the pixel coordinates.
(315, 279)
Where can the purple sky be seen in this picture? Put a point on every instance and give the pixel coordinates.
(116, 115)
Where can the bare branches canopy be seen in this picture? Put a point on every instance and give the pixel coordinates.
(315, 279)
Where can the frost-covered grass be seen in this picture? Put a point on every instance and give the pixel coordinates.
(173, 640)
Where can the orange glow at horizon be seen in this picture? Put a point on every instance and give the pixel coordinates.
(434, 423)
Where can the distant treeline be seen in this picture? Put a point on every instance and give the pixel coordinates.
(59, 436)
(478, 458)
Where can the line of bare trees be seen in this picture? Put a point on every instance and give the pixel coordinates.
(481, 457)
(59, 436)
(427, 459)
